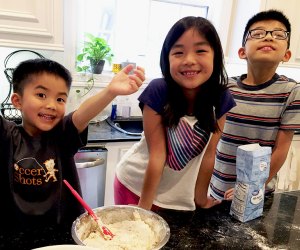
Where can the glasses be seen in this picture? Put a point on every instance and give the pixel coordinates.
(261, 33)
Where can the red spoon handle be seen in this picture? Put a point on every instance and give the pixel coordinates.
(107, 234)
(83, 203)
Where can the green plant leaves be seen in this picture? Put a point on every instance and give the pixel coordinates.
(95, 49)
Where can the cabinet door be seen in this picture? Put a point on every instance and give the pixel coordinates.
(289, 174)
(296, 169)
(32, 24)
(115, 151)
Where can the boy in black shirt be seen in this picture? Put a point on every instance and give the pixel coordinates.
(38, 154)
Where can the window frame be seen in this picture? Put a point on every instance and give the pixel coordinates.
(216, 15)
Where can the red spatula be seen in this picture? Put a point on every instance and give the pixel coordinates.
(107, 234)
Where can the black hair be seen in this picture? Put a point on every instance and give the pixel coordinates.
(268, 15)
(23, 73)
(209, 95)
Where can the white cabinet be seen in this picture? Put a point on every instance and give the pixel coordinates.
(32, 24)
(115, 150)
(289, 174)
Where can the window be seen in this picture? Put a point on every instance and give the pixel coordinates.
(135, 29)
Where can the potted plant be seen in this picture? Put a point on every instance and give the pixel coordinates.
(94, 53)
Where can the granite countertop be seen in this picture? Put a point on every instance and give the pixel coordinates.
(100, 132)
(278, 228)
(34, 238)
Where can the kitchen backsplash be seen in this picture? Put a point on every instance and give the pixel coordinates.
(233, 69)
(78, 94)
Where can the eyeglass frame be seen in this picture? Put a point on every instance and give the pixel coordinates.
(287, 33)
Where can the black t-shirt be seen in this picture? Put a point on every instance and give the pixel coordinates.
(32, 170)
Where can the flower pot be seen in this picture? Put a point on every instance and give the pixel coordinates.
(97, 67)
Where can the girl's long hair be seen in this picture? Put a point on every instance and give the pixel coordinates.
(209, 95)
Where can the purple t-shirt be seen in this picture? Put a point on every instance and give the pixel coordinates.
(155, 96)
(187, 140)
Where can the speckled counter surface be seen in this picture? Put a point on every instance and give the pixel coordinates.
(102, 132)
(34, 238)
(278, 228)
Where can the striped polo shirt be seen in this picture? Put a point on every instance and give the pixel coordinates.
(259, 113)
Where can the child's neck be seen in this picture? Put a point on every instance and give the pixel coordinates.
(260, 76)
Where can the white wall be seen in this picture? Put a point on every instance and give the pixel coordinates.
(239, 67)
(242, 11)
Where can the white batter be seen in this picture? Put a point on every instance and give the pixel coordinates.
(129, 235)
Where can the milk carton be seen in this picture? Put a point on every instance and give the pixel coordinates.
(252, 169)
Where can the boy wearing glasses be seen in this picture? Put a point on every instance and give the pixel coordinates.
(268, 104)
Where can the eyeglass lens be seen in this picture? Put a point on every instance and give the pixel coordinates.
(260, 33)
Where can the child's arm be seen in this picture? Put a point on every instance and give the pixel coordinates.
(156, 142)
(206, 169)
(121, 84)
(282, 145)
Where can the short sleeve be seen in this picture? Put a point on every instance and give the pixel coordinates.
(154, 95)
(226, 103)
(71, 139)
(291, 115)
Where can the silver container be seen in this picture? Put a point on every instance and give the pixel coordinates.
(116, 213)
(91, 168)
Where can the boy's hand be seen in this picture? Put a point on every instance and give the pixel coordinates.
(125, 84)
(229, 194)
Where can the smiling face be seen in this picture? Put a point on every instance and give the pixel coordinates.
(191, 60)
(42, 103)
(268, 49)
